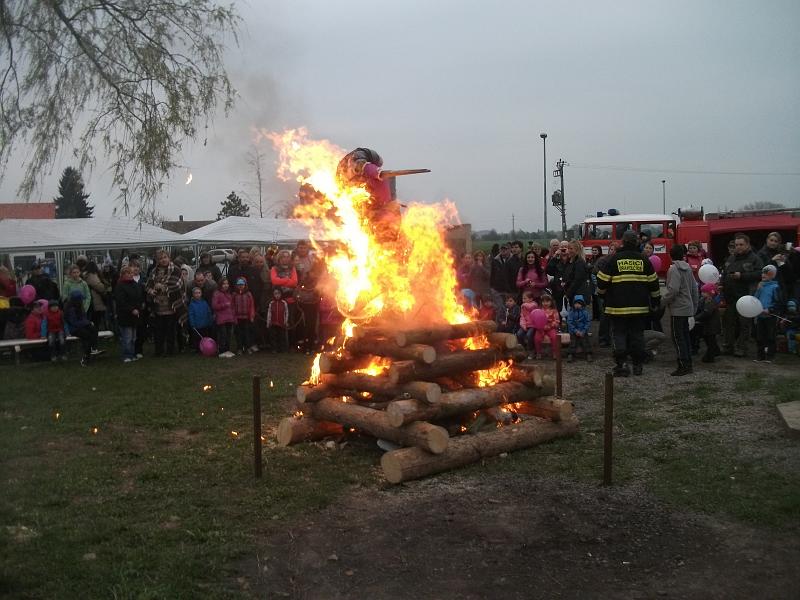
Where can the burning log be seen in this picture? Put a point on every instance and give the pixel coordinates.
(426, 335)
(412, 463)
(402, 412)
(503, 341)
(553, 409)
(432, 438)
(333, 363)
(361, 382)
(420, 352)
(448, 364)
(292, 430)
(499, 414)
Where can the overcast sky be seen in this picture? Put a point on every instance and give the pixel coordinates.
(466, 87)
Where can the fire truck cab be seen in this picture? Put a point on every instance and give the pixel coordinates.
(609, 227)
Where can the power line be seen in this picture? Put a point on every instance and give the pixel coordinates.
(686, 171)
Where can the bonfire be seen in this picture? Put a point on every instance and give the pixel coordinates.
(410, 366)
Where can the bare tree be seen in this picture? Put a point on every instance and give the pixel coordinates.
(762, 205)
(255, 160)
(137, 76)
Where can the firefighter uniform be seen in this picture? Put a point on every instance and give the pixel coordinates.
(629, 286)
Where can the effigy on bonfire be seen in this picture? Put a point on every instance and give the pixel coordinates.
(411, 365)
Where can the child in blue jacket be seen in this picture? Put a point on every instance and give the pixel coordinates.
(201, 319)
(768, 294)
(578, 323)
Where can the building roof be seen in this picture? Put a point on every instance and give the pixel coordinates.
(27, 210)
(182, 226)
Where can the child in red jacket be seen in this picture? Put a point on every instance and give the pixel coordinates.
(244, 309)
(56, 338)
(278, 322)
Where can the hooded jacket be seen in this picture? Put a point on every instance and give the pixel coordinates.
(681, 293)
(768, 293)
(578, 319)
(222, 304)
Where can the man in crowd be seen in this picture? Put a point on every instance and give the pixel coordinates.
(499, 279)
(46, 288)
(740, 276)
(629, 286)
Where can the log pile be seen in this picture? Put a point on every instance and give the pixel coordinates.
(430, 396)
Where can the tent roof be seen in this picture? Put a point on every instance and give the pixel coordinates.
(246, 230)
(22, 235)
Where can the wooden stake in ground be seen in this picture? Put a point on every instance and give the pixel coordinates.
(608, 428)
(412, 463)
(257, 426)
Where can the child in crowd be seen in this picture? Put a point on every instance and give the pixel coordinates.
(330, 319)
(80, 326)
(508, 316)
(551, 327)
(768, 294)
(244, 309)
(709, 321)
(488, 310)
(201, 320)
(278, 322)
(525, 333)
(224, 317)
(578, 323)
(35, 322)
(56, 338)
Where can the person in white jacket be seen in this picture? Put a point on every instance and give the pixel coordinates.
(681, 297)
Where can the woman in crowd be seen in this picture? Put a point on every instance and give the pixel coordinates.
(694, 257)
(166, 295)
(99, 289)
(284, 276)
(480, 275)
(464, 278)
(648, 249)
(74, 282)
(531, 277)
(576, 274)
(591, 263)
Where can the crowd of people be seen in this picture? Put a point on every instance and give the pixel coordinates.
(273, 301)
(620, 290)
(263, 301)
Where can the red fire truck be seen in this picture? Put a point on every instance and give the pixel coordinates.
(712, 230)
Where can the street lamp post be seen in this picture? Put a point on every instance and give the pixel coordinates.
(544, 176)
(664, 196)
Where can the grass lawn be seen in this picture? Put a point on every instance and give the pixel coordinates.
(160, 501)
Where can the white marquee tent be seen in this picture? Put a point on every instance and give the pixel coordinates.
(39, 235)
(247, 231)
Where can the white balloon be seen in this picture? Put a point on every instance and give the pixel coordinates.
(708, 274)
(707, 261)
(749, 306)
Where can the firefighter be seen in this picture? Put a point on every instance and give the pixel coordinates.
(629, 287)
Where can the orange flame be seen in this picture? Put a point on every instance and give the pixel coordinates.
(411, 276)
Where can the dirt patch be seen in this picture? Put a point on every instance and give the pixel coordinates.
(453, 537)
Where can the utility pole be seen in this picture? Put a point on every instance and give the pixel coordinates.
(512, 225)
(558, 196)
(664, 196)
(544, 177)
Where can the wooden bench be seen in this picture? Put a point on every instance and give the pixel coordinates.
(19, 345)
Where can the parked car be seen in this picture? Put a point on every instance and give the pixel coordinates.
(219, 255)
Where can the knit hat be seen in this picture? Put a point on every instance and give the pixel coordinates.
(241, 281)
(770, 269)
(791, 305)
(43, 304)
(579, 298)
(53, 303)
(709, 288)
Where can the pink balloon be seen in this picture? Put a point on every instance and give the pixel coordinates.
(656, 262)
(539, 318)
(27, 294)
(208, 347)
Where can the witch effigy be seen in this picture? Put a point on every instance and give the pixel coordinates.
(362, 168)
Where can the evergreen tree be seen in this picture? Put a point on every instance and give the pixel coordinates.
(233, 206)
(71, 202)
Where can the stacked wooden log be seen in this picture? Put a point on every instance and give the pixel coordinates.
(427, 397)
